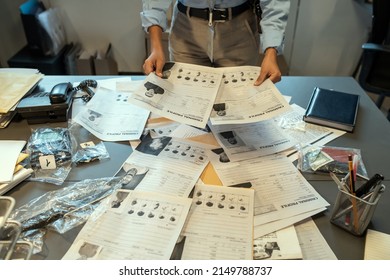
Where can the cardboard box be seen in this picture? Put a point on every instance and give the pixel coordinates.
(84, 64)
(104, 63)
(107, 66)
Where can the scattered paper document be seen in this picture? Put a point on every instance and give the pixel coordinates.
(261, 230)
(136, 225)
(239, 101)
(246, 141)
(279, 245)
(280, 189)
(125, 84)
(173, 129)
(219, 225)
(377, 245)
(110, 117)
(186, 131)
(9, 151)
(186, 94)
(313, 244)
(18, 177)
(173, 165)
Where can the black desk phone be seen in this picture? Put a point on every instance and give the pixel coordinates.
(60, 92)
(54, 106)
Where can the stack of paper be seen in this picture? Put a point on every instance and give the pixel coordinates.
(11, 173)
(14, 84)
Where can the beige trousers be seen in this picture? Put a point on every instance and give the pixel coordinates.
(230, 43)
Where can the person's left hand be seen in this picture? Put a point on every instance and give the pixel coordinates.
(269, 68)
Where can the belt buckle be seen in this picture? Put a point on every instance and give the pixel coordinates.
(221, 14)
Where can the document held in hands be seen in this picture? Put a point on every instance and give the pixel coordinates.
(332, 108)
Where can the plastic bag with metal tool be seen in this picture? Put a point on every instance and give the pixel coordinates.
(89, 147)
(64, 209)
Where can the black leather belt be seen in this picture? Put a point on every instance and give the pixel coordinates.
(216, 14)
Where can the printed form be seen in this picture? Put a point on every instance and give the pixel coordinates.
(239, 101)
(143, 226)
(280, 189)
(110, 117)
(186, 94)
(220, 224)
(174, 165)
(263, 229)
(246, 141)
(279, 245)
(313, 244)
(192, 94)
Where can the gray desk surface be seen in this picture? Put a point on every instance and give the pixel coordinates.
(371, 135)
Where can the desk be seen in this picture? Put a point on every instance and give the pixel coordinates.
(371, 135)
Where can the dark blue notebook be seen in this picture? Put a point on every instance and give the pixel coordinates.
(332, 108)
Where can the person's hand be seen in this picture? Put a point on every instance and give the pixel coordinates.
(155, 63)
(156, 60)
(269, 68)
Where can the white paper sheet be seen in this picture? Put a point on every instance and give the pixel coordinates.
(136, 225)
(280, 189)
(174, 165)
(260, 230)
(110, 117)
(9, 151)
(186, 95)
(246, 141)
(186, 131)
(313, 244)
(220, 224)
(377, 245)
(18, 177)
(279, 245)
(239, 101)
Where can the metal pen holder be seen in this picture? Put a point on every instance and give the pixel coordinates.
(353, 213)
(10, 246)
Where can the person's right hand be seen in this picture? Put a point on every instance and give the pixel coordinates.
(156, 60)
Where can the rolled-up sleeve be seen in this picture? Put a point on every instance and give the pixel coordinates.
(273, 23)
(155, 13)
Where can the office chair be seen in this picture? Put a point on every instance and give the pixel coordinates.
(374, 74)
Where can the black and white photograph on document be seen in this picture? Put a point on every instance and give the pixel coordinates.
(153, 146)
(230, 139)
(118, 199)
(131, 175)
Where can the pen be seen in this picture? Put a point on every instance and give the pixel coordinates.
(352, 191)
(347, 209)
(365, 217)
(367, 186)
(355, 163)
(338, 182)
(351, 175)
